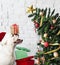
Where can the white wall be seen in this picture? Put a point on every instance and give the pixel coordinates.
(14, 11)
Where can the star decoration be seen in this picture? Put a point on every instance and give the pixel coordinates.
(30, 9)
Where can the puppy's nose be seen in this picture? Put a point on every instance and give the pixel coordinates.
(18, 41)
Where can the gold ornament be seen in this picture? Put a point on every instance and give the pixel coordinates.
(31, 9)
(41, 13)
(54, 20)
(45, 35)
(55, 54)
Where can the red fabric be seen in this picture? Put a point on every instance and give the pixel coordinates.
(2, 34)
(25, 61)
(28, 58)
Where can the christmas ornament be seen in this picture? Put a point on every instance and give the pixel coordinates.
(41, 13)
(14, 29)
(55, 54)
(36, 24)
(54, 20)
(52, 27)
(45, 35)
(46, 44)
(31, 9)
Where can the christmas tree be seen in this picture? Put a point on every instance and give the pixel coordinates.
(47, 25)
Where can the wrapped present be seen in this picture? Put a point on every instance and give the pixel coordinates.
(22, 48)
(29, 62)
(21, 52)
(25, 61)
(14, 29)
(22, 57)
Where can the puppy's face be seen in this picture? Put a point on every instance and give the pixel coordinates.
(16, 39)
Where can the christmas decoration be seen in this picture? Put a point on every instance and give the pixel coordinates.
(54, 20)
(36, 24)
(30, 9)
(55, 54)
(41, 21)
(52, 27)
(14, 29)
(46, 44)
(45, 35)
(25, 61)
(49, 32)
(41, 13)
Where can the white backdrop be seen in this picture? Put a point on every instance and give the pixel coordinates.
(14, 11)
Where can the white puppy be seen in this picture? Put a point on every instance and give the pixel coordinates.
(7, 49)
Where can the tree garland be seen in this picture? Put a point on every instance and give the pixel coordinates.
(52, 50)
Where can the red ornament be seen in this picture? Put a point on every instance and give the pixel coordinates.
(52, 27)
(36, 24)
(46, 44)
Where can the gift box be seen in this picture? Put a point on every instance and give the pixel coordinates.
(25, 61)
(21, 52)
(22, 57)
(29, 62)
(14, 29)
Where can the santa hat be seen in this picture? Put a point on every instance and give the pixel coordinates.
(2, 34)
